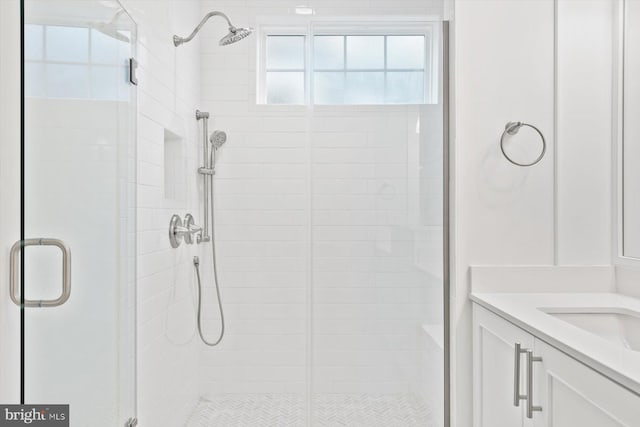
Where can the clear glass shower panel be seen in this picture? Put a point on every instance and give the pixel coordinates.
(79, 144)
(377, 180)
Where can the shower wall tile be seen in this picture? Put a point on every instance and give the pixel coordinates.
(168, 95)
(329, 259)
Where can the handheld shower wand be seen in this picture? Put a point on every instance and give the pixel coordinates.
(217, 139)
(210, 145)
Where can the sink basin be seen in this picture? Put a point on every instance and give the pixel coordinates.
(616, 325)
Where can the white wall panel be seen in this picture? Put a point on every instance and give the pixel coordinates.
(550, 213)
(504, 71)
(584, 123)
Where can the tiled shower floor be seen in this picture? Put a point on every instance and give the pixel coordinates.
(280, 410)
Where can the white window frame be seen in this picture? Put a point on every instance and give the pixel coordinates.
(292, 30)
(309, 28)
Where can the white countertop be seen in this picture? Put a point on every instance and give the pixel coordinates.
(616, 362)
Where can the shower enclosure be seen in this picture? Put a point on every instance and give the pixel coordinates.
(68, 334)
(331, 237)
(331, 221)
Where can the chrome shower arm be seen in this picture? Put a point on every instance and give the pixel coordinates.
(177, 40)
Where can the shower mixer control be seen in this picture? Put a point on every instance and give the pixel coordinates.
(183, 230)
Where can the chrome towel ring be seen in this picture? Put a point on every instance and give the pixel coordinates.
(512, 128)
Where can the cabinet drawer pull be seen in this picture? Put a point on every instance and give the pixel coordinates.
(530, 406)
(517, 397)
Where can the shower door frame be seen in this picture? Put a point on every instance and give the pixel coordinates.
(446, 216)
(11, 62)
(10, 75)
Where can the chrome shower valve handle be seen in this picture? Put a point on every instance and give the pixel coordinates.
(179, 230)
(191, 229)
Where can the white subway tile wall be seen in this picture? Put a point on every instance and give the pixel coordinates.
(329, 229)
(168, 95)
(328, 262)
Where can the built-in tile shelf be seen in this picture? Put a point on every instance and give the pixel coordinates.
(174, 166)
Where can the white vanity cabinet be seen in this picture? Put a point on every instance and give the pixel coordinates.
(494, 346)
(572, 394)
(566, 393)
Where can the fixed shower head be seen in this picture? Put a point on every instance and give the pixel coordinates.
(218, 138)
(235, 35)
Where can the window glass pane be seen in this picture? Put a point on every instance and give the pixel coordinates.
(105, 82)
(365, 52)
(67, 81)
(33, 42)
(364, 88)
(405, 87)
(328, 52)
(285, 52)
(67, 44)
(405, 52)
(329, 87)
(285, 88)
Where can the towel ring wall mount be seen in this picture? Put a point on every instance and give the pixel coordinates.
(512, 128)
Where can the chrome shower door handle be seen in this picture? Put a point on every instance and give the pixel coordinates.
(14, 288)
(531, 408)
(517, 397)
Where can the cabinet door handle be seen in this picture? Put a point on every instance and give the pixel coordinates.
(517, 397)
(530, 406)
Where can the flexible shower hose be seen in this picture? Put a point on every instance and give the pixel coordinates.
(196, 264)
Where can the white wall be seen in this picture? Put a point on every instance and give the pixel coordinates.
(168, 95)
(504, 214)
(631, 130)
(585, 67)
(559, 210)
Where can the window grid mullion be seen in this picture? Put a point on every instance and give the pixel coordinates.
(285, 70)
(308, 79)
(385, 70)
(368, 70)
(345, 68)
(90, 61)
(44, 59)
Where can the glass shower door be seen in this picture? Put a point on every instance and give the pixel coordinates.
(75, 258)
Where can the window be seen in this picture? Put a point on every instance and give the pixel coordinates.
(285, 69)
(75, 63)
(369, 69)
(347, 68)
